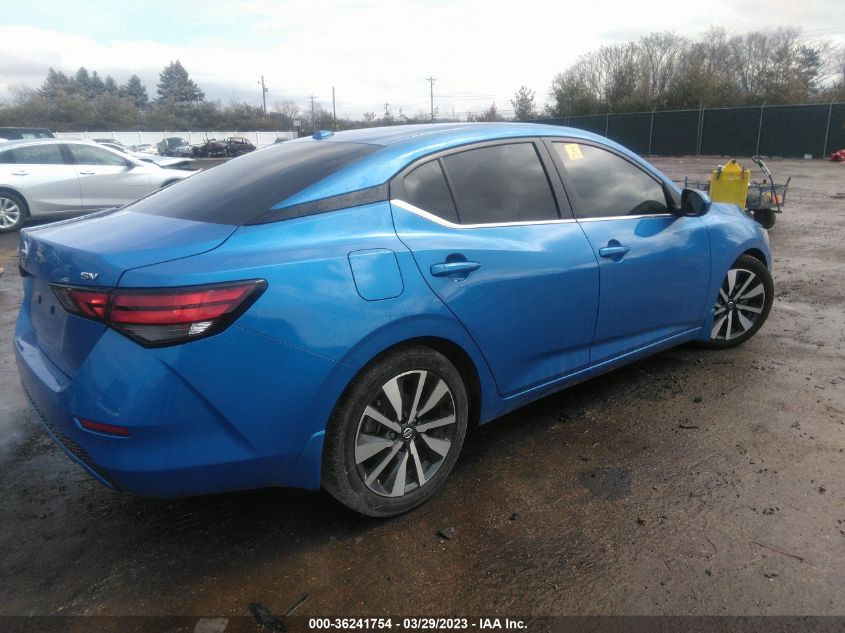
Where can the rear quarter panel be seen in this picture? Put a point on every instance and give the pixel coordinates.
(312, 305)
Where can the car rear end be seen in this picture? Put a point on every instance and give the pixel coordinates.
(92, 355)
(155, 388)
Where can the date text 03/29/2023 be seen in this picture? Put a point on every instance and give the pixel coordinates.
(415, 624)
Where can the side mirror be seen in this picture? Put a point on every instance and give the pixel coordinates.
(694, 202)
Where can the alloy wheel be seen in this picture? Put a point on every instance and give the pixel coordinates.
(10, 213)
(405, 433)
(739, 305)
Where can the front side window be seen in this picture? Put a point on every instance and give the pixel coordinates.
(426, 188)
(500, 183)
(607, 185)
(37, 155)
(87, 155)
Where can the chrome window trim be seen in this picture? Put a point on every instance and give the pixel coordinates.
(407, 206)
(629, 217)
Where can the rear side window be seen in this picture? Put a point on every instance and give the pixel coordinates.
(242, 190)
(426, 188)
(500, 183)
(87, 155)
(37, 155)
(608, 185)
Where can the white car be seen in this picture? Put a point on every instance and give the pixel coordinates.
(161, 161)
(54, 177)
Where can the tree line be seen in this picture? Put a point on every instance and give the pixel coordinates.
(660, 71)
(665, 71)
(86, 101)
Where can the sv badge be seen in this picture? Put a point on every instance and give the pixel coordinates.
(89, 276)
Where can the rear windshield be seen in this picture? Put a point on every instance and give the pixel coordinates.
(241, 190)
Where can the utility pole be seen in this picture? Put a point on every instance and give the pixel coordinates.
(431, 81)
(313, 119)
(264, 91)
(334, 112)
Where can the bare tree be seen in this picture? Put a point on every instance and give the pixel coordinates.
(665, 70)
(660, 56)
(288, 109)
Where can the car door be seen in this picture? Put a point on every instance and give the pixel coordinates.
(654, 264)
(485, 230)
(106, 178)
(43, 176)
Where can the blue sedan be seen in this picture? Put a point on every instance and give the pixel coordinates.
(336, 311)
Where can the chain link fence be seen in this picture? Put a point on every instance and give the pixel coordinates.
(813, 130)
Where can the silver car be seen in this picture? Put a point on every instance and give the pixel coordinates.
(47, 177)
(161, 161)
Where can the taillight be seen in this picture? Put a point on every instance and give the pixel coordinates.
(163, 316)
(83, 301)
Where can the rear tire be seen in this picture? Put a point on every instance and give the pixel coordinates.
(766, 218)
(13, 212)
(396, 434)
(743, 305)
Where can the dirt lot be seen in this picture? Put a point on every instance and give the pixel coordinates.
(690, 483)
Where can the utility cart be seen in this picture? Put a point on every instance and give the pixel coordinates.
(763, 200)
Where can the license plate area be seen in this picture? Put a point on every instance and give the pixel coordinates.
(65, 339)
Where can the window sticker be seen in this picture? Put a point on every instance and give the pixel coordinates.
(573, 151)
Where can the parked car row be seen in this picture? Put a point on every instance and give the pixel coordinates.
(210, 148)
(168, 162)
(54, 177)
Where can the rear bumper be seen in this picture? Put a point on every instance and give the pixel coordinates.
(231, 412)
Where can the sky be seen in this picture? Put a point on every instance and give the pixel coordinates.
(371, 51)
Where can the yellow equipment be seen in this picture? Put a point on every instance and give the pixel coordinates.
(729, 183)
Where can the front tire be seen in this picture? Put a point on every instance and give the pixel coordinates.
(766, 218)
(12, 212)
(396, 434)
(743, 304)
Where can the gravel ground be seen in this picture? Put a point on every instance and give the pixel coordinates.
(690, 483)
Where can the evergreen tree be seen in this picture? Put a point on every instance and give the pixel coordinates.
(523, 104)
(110, 86)
(490, 114)
(96, 85)
(56, 85)
(135, 91)
(82, 82)
(175, 87)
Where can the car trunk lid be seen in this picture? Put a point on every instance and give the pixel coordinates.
(94, 252)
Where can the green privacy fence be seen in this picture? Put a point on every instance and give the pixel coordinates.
(793, 130)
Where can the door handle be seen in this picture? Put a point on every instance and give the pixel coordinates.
(87, 173)
(614, 250)
(20, 173)
(445, 269)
